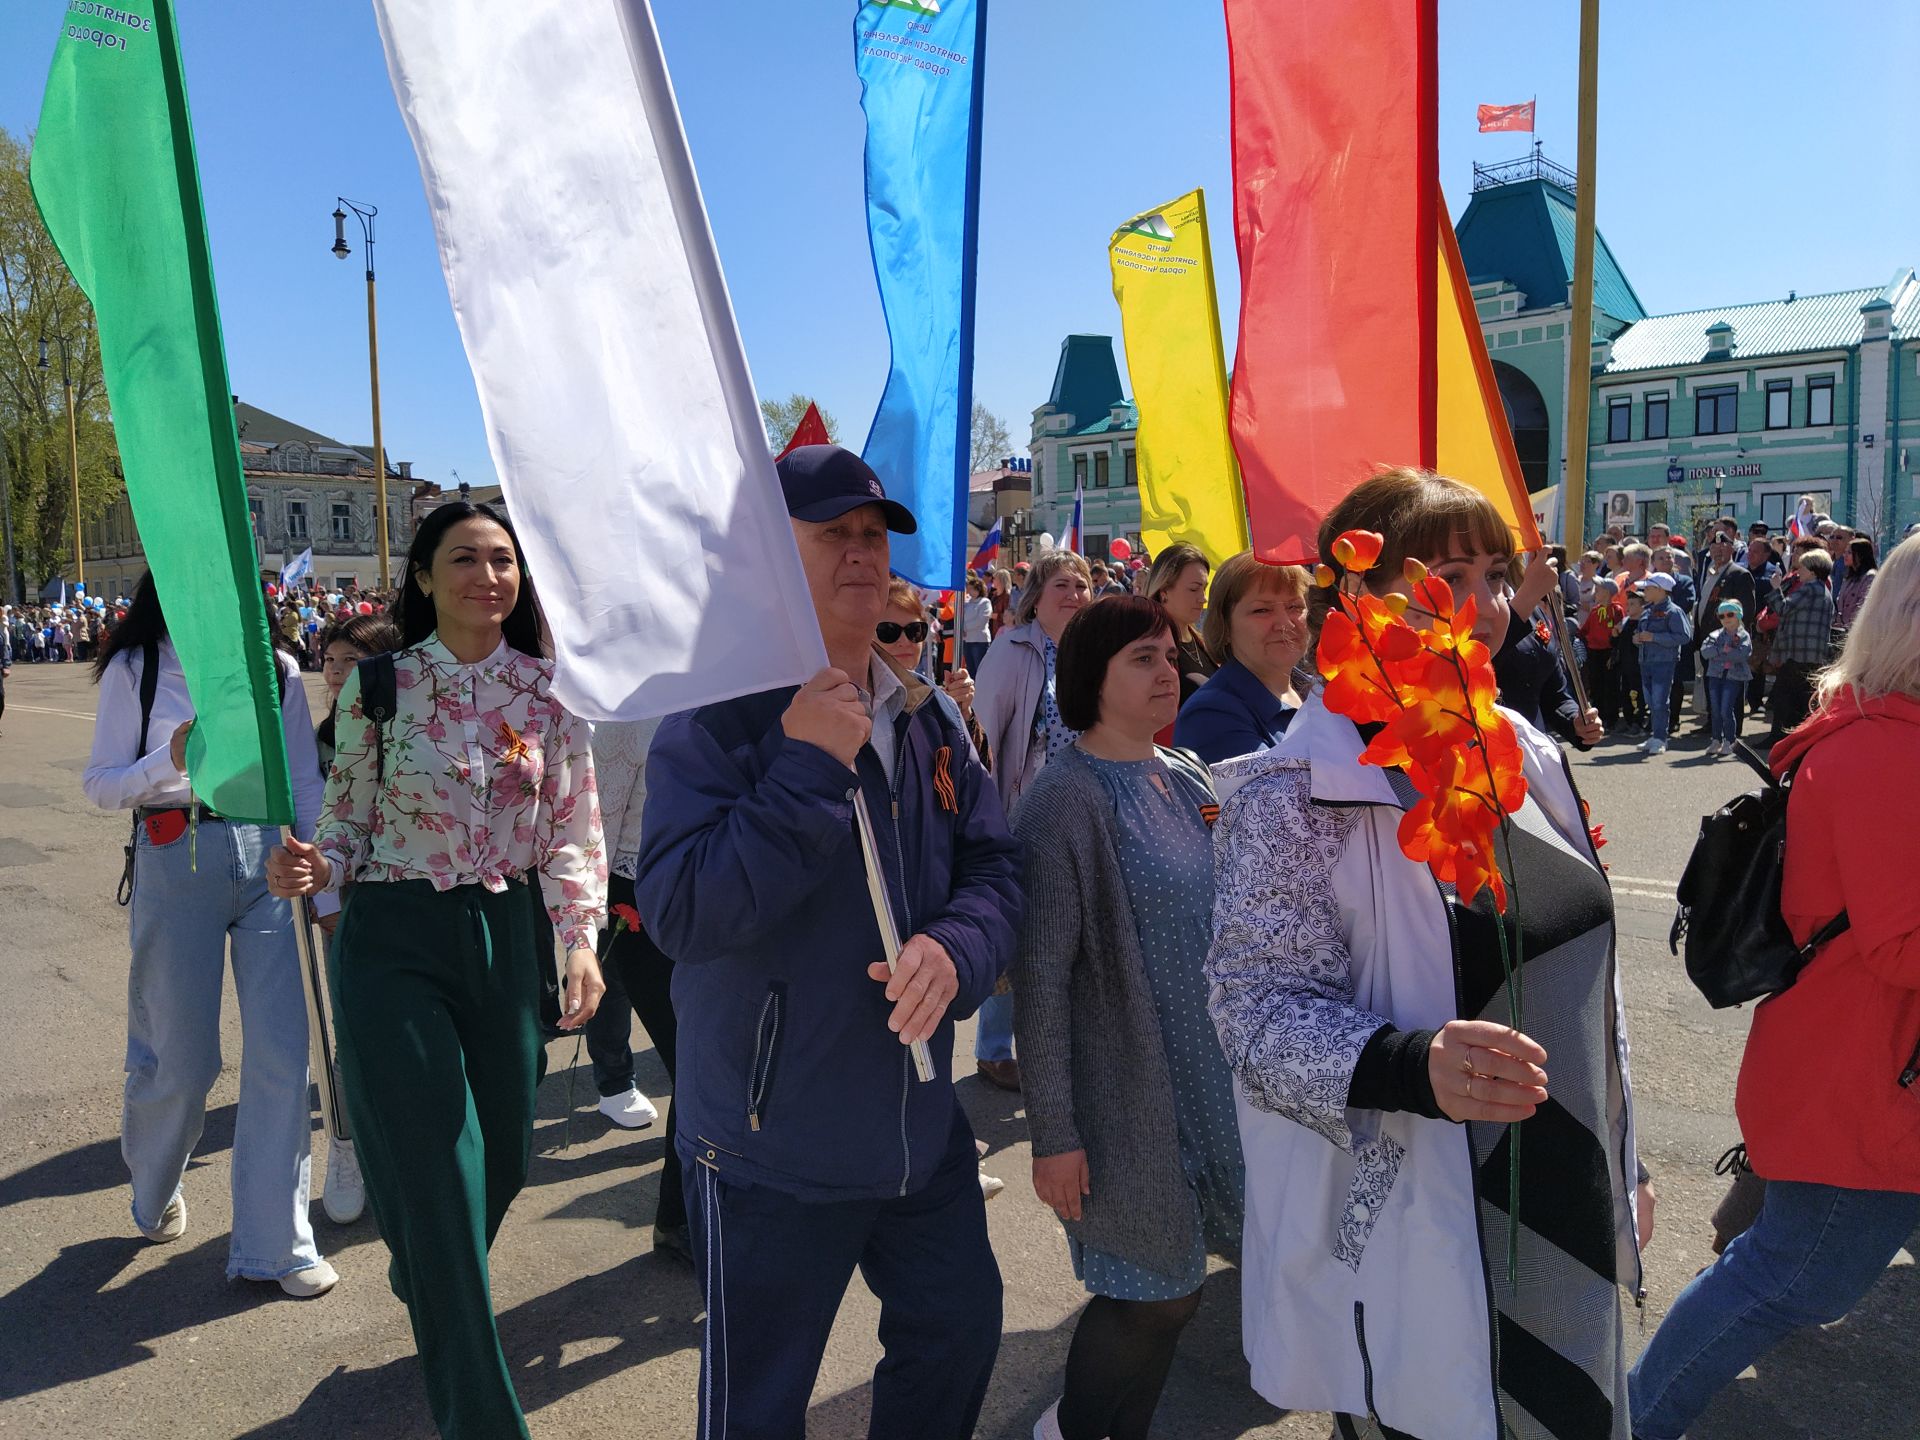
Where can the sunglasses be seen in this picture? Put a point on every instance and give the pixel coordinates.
(889, 631)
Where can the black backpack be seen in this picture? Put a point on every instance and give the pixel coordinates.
(379, 695)
(1738, 946)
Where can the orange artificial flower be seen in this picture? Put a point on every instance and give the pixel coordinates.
(1358, 550)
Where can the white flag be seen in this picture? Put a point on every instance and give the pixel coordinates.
(297, 568)
(619, 409)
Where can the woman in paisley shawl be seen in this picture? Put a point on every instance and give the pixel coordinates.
(1363, 1009)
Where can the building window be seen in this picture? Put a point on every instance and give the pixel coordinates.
(1619, 421)
(1080, 472)
(1820, 400)
(1656, 421)
(1131, 469)
(257, 510)
(1651, 513)
(1774, 509)
(296, 519)
(1779, 404)
(343, 523)
(1715, 412)
(1100, 477)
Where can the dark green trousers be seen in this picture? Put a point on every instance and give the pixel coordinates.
(435, 1001)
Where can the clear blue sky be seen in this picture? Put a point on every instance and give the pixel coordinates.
(1747, 147)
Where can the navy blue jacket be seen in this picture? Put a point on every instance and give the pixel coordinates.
(750, 877)
(1232, 714)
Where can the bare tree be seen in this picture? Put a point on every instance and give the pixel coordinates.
(991, 443)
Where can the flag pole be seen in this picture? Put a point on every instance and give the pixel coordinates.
(333, 1110)
(743, 407)
(1580, 333)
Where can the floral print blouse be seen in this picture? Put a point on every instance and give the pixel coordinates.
(488, 779)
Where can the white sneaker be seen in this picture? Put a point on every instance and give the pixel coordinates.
(1047, 1427)
(1645, 745)
(990, 1185)
(311, 1283)
(173, 1222)
(1656, 747)
(630, 1110)
(345, 1200)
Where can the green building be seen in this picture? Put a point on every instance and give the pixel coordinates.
(1739, 409)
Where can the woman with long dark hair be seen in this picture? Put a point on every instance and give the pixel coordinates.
(183, 917)
(476, 788)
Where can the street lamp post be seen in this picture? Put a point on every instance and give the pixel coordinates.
(73, 450)
(365, 215)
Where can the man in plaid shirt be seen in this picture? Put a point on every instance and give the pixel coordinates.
(1804, 641)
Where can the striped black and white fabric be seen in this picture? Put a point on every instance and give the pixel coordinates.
(1559, 1360)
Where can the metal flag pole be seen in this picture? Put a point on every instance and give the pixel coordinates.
(883, 913)
(313, 979)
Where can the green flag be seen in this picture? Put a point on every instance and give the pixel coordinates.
(114, 174)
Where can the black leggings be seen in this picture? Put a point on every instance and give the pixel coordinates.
(1117, 1365)
(646, 974)
(1353, 1428)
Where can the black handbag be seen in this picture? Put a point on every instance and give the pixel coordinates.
(1738, 947)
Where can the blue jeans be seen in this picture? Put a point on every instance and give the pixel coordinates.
(1725, 700)
(993, 1033)
(1814, 1251)
(1656, 684)
(183, 918)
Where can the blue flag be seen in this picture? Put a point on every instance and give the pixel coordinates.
(921, 65)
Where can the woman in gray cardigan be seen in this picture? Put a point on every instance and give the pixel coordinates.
(1129, 1098)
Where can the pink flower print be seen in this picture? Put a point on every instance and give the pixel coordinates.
(439, 860)
(343, 809)
(572, 889)
(523, 835)
(436, 730)
(405, 677)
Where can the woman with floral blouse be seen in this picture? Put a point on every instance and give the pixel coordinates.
(478, 787)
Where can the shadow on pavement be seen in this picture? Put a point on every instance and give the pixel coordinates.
(62, 1326)
(98, 1166)
(626, 1316)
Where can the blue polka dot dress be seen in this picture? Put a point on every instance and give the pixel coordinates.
(1166, 860)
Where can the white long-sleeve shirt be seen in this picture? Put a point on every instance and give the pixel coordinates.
(118, 779)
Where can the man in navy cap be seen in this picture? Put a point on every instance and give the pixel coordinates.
(811, 1148)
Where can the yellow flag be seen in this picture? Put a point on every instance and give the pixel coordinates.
(1163, 280)
(1472, 442)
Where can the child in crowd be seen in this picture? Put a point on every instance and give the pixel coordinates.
(1662, 635)
(1598, 629)
(344, 645)
(1626, 668)
(1726, 656)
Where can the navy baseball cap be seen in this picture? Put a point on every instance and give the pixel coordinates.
(824, 482)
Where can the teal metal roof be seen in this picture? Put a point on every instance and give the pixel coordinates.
(1767, 327)
(1086, 383)
(1523, 233)
(1130, 421)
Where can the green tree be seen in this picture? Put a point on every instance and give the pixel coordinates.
(991, 443)
(39, 298)
(782, 418)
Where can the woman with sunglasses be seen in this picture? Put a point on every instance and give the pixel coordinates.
(902, 633)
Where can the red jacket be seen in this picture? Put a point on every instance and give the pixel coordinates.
(1820, 1098)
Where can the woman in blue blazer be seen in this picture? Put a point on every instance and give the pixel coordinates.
(1257, 624)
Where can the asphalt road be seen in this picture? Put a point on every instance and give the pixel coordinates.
(103, 1335)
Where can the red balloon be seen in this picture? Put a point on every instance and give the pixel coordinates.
(364, 608)
(1119, 549)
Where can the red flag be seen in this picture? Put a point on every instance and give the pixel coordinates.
(1506, 117)
(811, 430)
(1338, 260)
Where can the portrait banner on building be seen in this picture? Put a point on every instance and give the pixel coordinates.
(922, 72)
(118, 185)
(1162, 264)
(620, 412)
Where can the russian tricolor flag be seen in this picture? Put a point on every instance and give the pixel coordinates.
(1076, 531)
(989, 550)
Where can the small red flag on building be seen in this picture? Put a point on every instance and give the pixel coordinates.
(1506, 117)
(811, 430)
